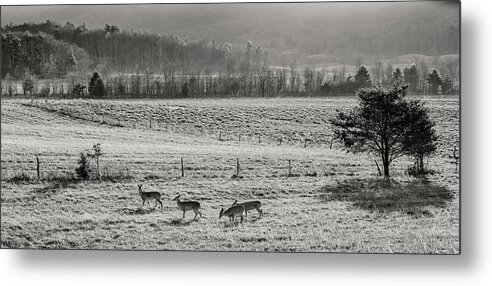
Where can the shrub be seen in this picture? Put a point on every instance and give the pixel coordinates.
(84, 169)
(45, 91)
(78, 89)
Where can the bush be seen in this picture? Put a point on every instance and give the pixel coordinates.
(78, 90)
(84, 169)
(45, 91)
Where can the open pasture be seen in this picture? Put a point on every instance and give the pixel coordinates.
(332, 202)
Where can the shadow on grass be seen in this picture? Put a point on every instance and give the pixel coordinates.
(179, 222)
(138, 211)
(54, 186)
(62, 180)
(389, 196)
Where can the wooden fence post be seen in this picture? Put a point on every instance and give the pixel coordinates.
(237, 167)
(150, 123)
(38, 168)
(290, 169)
(182, 168)
(220, 135)
(331, 143)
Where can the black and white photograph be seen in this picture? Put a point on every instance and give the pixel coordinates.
(307, 127)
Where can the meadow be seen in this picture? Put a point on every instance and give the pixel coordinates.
(329, 200)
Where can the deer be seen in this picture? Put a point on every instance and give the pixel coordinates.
(187, 206)
(149, 196)
(250, 205)
(232, 213)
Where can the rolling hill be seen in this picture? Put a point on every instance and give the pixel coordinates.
(341, 30)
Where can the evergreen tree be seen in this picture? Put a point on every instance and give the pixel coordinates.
(434, 80)
(362, 78)
(397, 76)
(96, 86)
(386, 124)
(100, 90)
(84, 169)
(411, 77)
(420, 139)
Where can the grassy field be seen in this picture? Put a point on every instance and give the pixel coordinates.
(333, 202)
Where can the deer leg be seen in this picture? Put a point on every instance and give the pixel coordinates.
(184, 214)
(196, 214)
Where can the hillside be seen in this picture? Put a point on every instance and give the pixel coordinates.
(341, 30)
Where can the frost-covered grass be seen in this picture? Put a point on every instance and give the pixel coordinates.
(333, 203)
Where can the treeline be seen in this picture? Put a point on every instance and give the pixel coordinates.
(135, 64)
(124, 51)
(440, 77)
(250, 77)
(40, 54)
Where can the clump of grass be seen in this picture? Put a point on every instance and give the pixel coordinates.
(152, 177)
(237, 177)
(20, 178)
(115, 174)
(412, 170)
(60, 180)
(253, 239)
(178, 222)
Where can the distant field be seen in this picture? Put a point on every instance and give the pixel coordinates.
(334, 202)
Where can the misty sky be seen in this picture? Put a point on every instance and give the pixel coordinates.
(138, 15)
(335, 29)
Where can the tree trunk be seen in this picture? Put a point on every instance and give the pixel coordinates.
(421, 164)
(386, 168)
(386, 163)
(97, 166)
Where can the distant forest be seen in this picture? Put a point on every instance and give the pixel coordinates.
(141, 64)
(290, 32)
(37, 46)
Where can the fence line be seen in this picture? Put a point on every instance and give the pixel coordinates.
(46, 168)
